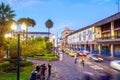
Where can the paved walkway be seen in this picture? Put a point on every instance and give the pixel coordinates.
(54, 73)
(66, 69)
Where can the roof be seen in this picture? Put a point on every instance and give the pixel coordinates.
(67, 29)
(39, 33)
(101, 22)
(108, 19)
(36, 32)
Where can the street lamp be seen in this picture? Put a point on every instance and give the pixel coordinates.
(18, 32)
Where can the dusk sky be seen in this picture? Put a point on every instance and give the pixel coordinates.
(73, 14)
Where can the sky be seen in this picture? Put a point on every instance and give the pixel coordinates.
(74, 14)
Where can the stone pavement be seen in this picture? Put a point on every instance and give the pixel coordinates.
(54, 73)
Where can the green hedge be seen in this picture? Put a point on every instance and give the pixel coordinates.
(25, 63)
(7, 67)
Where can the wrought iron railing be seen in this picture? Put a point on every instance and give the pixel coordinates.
(108, 38)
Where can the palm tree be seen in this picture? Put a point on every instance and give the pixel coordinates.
(49, 24)
(28, 22)
(6, 18)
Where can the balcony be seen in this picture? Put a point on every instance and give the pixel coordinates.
(109, 39)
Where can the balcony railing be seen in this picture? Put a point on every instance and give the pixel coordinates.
(108, 38)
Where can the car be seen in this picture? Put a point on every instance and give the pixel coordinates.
(79, 53)
(72, 53)
(66, 50)
(115, 64)
(94, 57)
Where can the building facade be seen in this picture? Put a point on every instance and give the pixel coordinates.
(102, 37)
(65, 33)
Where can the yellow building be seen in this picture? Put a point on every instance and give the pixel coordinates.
(102, 37)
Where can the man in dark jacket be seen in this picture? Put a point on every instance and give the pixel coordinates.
(49, 68)
(37, 68)
(43, 68)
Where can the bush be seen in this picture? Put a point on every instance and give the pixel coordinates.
(7, 59)
(31, 55)
(25, 63)
(7, 67)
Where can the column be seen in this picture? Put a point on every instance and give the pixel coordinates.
(112, 30)
(91, 48)
(100, 48)
(86, 34)
(112, 50)
(93, 35)
(80, 47)
(85, 46)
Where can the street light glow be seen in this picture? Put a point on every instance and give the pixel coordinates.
(8, 35)
(13, 27)
(23, 27)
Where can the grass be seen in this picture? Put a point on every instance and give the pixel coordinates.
(24, 75)
(47, 57)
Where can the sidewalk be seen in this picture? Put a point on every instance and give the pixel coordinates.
(109, 58)
(54, 75)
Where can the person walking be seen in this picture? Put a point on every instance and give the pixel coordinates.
(61, 56)
(49, 68)
(75, 59)
(83, 60)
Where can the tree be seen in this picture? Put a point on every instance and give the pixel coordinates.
(49, 46)
(49, 24)
(28, 22)
(6, 17)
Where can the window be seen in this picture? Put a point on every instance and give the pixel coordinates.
(107, 36)
(106, 27)
(66, 33)
(79, 37)
(117, 24)
(118, 34)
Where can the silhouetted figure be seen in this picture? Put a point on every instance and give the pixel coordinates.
(37, 68)
(43, 68)
(33, 75)
(49, 68)
(105, 76)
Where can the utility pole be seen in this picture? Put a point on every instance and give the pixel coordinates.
(118, 4)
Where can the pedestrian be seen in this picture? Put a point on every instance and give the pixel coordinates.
(49, 68)
(43, 68)
(117, 76)
(33, 75)
(75, 59)
(61, 56)
(38, 68)
(83, 60)
(105, 76)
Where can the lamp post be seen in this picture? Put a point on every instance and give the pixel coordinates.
(18, 32)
